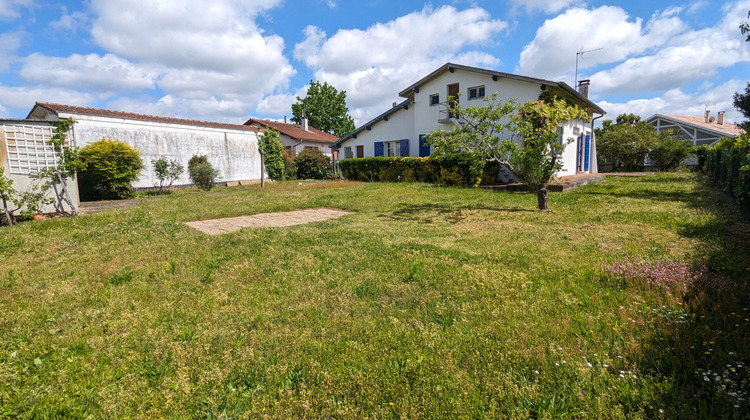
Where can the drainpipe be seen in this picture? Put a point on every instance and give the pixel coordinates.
(594, 165)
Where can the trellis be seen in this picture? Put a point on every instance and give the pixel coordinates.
(29, 149)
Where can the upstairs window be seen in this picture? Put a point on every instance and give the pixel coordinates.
(434, 99)
(476, 92)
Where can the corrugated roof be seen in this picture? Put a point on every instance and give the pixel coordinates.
(70, 109)
(730, 130)
(295, 131)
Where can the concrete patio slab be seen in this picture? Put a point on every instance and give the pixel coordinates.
(276, 219)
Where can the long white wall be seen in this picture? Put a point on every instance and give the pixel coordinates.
(234, 153)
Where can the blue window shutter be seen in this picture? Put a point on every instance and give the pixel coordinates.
(404, 147)
(424, 148)
(588, 152)
(378, 148)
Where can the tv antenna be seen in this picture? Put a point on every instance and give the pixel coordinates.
(580, 54)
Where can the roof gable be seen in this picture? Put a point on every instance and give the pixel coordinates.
(726, 129)
(80, 110)
(451, 67)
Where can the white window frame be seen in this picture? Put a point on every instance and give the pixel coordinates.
(479, 90)
(392, 148)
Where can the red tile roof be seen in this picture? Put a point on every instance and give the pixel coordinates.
(727, 129)
(70, 109)
(295, 131)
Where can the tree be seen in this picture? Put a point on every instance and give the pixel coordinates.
(742, 103)
(110, 168)
(202, 172)
(531, 151)
(626, 143)
(166, 171)
(670, 150)
(745, 29)
(271, 149)
(325, 109)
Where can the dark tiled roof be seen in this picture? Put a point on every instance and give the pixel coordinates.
(295, 131)
(70, 109)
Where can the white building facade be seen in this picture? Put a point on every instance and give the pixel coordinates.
(231, 149)
(400, 130)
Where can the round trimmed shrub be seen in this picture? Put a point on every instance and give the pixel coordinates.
(110, 166)
(313, 164)
(202, 172)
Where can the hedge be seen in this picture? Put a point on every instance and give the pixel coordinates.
(459, 169)
(731, 169)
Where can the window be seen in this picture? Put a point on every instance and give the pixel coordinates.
(434, 99)
(476, 92)
(392, 148)
(348, 153)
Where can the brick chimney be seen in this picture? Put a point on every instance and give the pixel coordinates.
(708, 115)
(583, 87)
(304, 121)
(720, 120)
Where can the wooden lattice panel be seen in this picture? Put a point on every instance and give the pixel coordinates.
(28, 148)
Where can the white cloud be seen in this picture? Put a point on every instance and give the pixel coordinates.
(211, 54)
(689, 56)
(106, 73)
(373, 64)
(69, 21)
(280, 104)
(677, 102)
(23, 98)
(10, 9)
(9, 43)
(209, 108)
(552, 53)
(549, 6)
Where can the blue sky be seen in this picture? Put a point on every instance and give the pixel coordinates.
(227, 60)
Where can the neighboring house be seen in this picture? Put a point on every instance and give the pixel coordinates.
(298, 137)
(700, 130)
(399, 131)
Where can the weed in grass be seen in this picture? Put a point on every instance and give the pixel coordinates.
(122, 276)
(416, 273)
(172, 267)
(367, 290)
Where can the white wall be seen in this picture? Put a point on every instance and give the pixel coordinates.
(422, 118)
(234, 153)
(400, 125)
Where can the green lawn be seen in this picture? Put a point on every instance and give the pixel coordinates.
(427, 302)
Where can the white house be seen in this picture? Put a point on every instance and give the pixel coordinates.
(298, 137)
(700, 130)
(399, 131)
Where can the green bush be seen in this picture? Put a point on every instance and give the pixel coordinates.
(271, 149)
(669, 151)
(166, 171)
(202, 172)
(458, 169)
(313, 164)
(290, 169)
(730, 168)
(110, 166)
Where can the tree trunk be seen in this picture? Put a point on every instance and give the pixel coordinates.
(262, 177)
(9, 218)
(541, 197)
